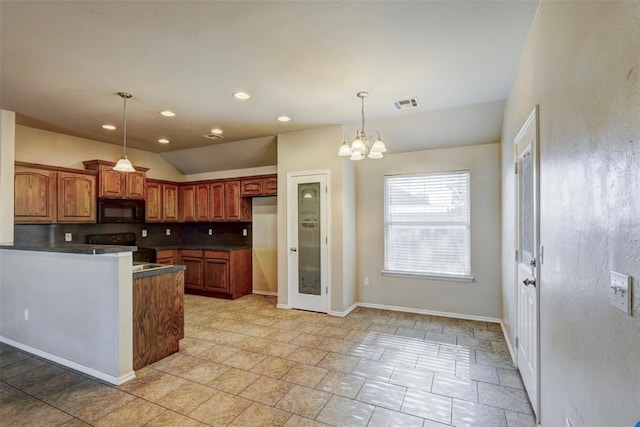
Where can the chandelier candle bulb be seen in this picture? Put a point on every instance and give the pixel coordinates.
(362, 146)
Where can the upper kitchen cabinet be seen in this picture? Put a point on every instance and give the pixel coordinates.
(118, 185)
(162, 201)
(35, 195)
(202, 202)
(259, 186)
(53, 195)
(216, 201)
(236, 208)
(187, 203)
(76, 197)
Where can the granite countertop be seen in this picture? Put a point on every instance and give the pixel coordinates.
(214, 247)
(158, 271)
(72, 248)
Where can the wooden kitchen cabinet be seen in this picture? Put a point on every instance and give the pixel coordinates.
(202, 203)
(236, 208)
(216, 201)
(187, 203)
(118, 185)
(216, 275)
(35, 192)
(76, 197)
(259, 186)
(166, 257)
(192, 260)
(161, 201)
(226, 274)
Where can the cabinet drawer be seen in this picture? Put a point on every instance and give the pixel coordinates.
(216, 254)
(251, 187)
(191, 253)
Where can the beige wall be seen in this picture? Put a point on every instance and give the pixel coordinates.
(264, 231)
(581, 64)
(480, 298)
(315, 150)
(50, 148)
(7, 153)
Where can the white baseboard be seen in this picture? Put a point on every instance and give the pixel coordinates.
(284, 306)
(73, 365)
(268, 293)
(506, 338)
(343, 313)
(429, 312)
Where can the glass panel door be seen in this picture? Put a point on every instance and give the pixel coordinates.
(309, 268)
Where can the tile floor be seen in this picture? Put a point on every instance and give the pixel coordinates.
(246, 363)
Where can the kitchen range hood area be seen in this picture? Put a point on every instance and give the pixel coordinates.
(68, 275)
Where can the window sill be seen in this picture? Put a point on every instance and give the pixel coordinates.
(444, 277)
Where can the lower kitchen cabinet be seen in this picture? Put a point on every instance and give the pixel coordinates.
(226, 274)
(166, 257)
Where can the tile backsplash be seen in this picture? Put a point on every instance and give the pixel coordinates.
(228, 233)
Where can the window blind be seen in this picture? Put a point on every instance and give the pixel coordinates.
(427, 224)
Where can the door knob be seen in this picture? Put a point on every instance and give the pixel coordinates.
(294, 249)
(528, 282)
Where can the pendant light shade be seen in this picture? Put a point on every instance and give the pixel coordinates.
(363, 146)
(124, 165)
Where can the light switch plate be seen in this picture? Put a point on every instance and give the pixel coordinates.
(144, 233)
(68, 237)
(620, 292)
(244, 231)
(168, 232)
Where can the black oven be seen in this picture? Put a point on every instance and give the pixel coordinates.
(118, 210)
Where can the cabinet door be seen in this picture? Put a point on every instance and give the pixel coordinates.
(165, 257)
(187, 203)
(154, 202)
(216, 275)
(169, 203)
(232, 200)
(216, 201)
(270, 186)
(112, 183)
(251, 187)
(76, 197)
(202, 202)
(34, 195)
(135, 184)
(193, 273)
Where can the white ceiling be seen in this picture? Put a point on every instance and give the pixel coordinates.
(63, 62)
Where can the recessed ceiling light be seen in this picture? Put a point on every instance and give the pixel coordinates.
(167, 113)
(216, 131)
(241, 95)
(163, 141)
(284, 119)
(109, 127)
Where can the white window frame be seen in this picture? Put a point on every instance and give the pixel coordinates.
(426, 274)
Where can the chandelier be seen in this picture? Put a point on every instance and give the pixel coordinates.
(362, 146)
(124, 164)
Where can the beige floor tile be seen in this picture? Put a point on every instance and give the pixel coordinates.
(386, 418)
(339, 362)
(91, 400)
(135, 413)
(74, 422)
(304, 401)
(20, 409)
(306, 375)
(29, 372)
(308, 356)
(274, 367)
(341, 384)
(298, 421)
(218, 353)
(176, 364)
(340, 411)
(261, 415)
(308, 340)
(244, 359)
(382, 394)
(279, 349)
(234, 381)
(220, 410)
(267, 390)
(159, 387)
(205, 372)
(49, 390)
(171, 419)
(193, 346)
(336, 345)
(427, 405)
(186, 398)
(283, 335)
(412, 378)
(460, 388)
(333, 332)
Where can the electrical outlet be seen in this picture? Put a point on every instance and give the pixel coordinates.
(26, 314)
(144, 233)
(211, 232)
(244, 231)
(168, 232)
(68, 237)
(366, 281)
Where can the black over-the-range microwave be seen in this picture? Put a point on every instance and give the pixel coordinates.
(119, 210)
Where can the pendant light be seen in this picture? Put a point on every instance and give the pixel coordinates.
(124, 165)
(363, 145)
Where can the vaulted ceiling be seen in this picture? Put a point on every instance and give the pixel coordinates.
(63, 62)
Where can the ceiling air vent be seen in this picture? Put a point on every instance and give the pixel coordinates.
(212, 136)
(405, 104)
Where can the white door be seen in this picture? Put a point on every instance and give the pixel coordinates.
(526, 146)
(308, 241)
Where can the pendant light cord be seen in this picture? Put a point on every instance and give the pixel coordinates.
(124, 127)
(362, 99)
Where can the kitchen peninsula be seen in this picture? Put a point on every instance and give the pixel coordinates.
(74, 304)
